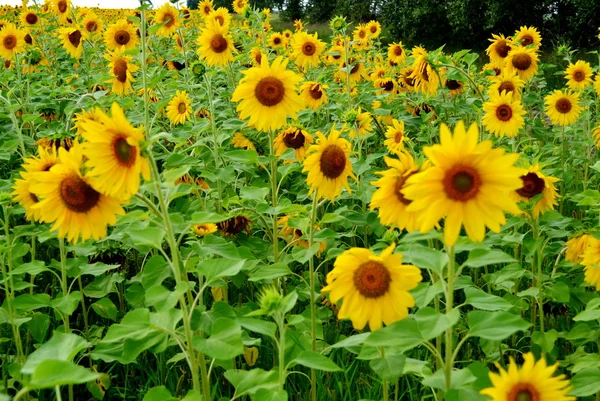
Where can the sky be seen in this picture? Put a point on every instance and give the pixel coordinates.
(96, 3)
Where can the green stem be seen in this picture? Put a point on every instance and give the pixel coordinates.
(84, 310)
(539, 271)
(281, 324)
(274, 195)
(449, 308)
(63, 281)
(313, 306)
(213, 127)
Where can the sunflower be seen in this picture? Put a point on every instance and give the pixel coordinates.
(256, 55)
(576, 248)
(503, 115)
(563, 107)
(92, 24)
(267, 95)
(68, 199)
(314, 94)
(93, 114)
(307, 49)
(220, 16)
(33, 60)
(206, 7)
(406, 82)
(13, 41)
(426, 79)
(72, 38)
(535, 183)
(361, 34)
(121, 36)
(240, 141)
(379, 71)
(579, 75)
(455, 87)
(328, 165)
(387, 86)
(298, 25)
(336, 55)
(113, 152)
(495, 68)
(29, 18)
(373, 289)
(203, 229)
(591, 262)
(395, 137)
(235, 225)
(179, 108)
(168, 16)
(374, 29)
(276, 40)
(216, 48)
(523, 61)
(46, 159)
(23, 195)
(356, 67)
(534, 381)
(527, 36)
(293, 138)
(62, 8)
(468, 184)
(121, 68)
(239, 6)
(294, 235)
(509, 82)
(499, 50)
(361, 121)
(597, 84)
(596, 136)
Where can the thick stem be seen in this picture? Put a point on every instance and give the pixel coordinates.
(282, 373)
(449, 308)
(313, 305)
(84, 309)
(539, 271)
(63, 281)
(274, 195)
(213, 127)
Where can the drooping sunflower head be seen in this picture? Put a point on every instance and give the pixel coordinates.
(168, 16)
(307, 49)
(563, 107)
(579, 75)
(12, 41)
(267, 95)
(240, 141)
(216, 47)
(426, 79)
(576, 248)
(499, 49)
(298, 25)
(121, 36)
(528, 36)
(523, 61)
(535, 182)
(503, 115)
(387, 86)
(314, 94)
(179, 108)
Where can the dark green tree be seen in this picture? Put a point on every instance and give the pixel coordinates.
(292, 10)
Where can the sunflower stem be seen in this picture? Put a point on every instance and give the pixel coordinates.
(538, 270)
(449, 307)
(274, 195)
(213, 128)
(313, 306)
(65, 291)
(562, 163)
(143, 67)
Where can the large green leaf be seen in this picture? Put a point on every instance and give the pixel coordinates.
(250, 381)
(390, 367)
(484, 257)
(225, 342)
(54, 372)
(159, 394)
(495, 325)
(61, 346)
(482, 300)
(314, 360)
(586, 382)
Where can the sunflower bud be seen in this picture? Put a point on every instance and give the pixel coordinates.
(270, 300)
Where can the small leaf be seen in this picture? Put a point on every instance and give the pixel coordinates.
(225, 342)
(314, 360)
(159, 394)
(486, 257)
(495, 325)
(54, 372)
(482, 300)
(149, 236)
(586, 383)
(389, 367)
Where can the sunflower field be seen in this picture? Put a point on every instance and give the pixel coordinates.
(195, 206)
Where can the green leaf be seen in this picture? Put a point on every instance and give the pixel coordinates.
(545, 340)
(250, 381)
(61, 346)
(586, 383)
(482, 300)
(351, 341)
(314, 360)
(35, 267)
(159, 394)
(149, 236)
(53, 372)
(67, 305)
(156, 270)
(268, 395)
(105, 308)
(257, 194)
(591, 312)
(270, 272)
(495, 325)
(486, 257)
(424, 257)
(97, 269)
(225, 342)
(258, 326)
(242, 156)
(389, 367)
(431, 323)
(217, 268)
(29, 302)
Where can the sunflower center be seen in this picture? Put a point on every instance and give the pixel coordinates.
(532, 185)
(461, 183)
(387, 86)
(269, 91)
(453, 84)
(398, 189)
(10, 41)
(169, 19)
(220, 19)
(502, 48)
(294, 139)
(258, 58)
(120, 70)
(316, 92)
(125, 152)
(91, 26)
(31, 18)
(218, 43)
(181, 108)
(398, 136)
(522, 61)
(178, 66)
(29, 39)
(207, 9)
(373, 28)
(354, 69)
(504, 112)
(309, 49)
(523, 392)
(75, 38)
(62, 6)
(333, 161)
(33, 197)
(77, 195)
(277, 41)
(579, 76)
(526, 40)
(362, 34)
(122, 37)
(506, 86)
(372, 279)
(563, 105)
(397, 51)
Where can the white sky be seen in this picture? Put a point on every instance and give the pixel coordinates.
(95, 3)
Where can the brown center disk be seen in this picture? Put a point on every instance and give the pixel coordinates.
(169, 19)
(62, 6)
(316, 92)
(453, 84)
(122, 37)
(277, 41)
(10, 42)
(91, 26)
(563, 105)
(398, 188)
(504, 112)
(124, 152)
(77, 195)
(294, 140)
(526, 40)
(120, 70)
(373, 28)
(309, 49)
(218, 43)
(372, 279)
(398, 136)
(181, 108)
(207, 10)
(398, 51)
(387, 86)
(258, 58)
(461, 183)
(178, 66)
(333, 162)
(506, 86)
(579, 76)
(75, 38)
(220, 20)
(28, 39)
(522, 61)
(269, 91)
(33, 197)
(523, 392)
(532, 185)
(31, 18)
(362, 34)
(502, 48)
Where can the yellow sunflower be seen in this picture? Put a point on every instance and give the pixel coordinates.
(314, 94)
(68, 199)
(336, 55)
(294, 235)
(267, 95)
(534, 381)
(535, 183)
(121, 36)
(27, 199)
(298, 25)
(240, 141)
(468, 184)
(328, 165)
(361, 34)
(72, 38)
(596, 136)
(239, 6)
(579, 75)
(407, 83)
(276, 40)
(499, 49)
(293, 138)
(29, 18)
(169, 17)
(357, 70)
(13, 41)
(591, 262)
(576, 248)
(597, 84)
(307, 49)
(360, 121)
(92, 24)
(203, 229)
(216, 48)
(563, 107)
(179, 108)
(92, 114)
(220, 16)
(374, 29)
(113, 152)
(46, 159)
(388, 197)
(379, 71)
(523, 61)
(256, 55)
(426, 79)
(507, 81)
(373, 288)
(395, 137)
(206, 7)
(527, 35)
(503, 115)
(62, 8)
(497, 70)
(121, 68)
(387, 86)
(455, 87)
